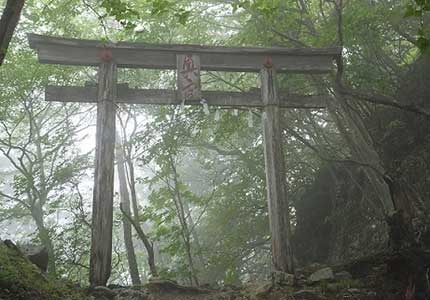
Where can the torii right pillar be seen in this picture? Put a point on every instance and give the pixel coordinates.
(282, 255)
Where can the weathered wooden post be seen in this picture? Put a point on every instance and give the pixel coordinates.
(102, 215)
(282, 255)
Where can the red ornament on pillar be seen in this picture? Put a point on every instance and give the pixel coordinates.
(268, 63)
(106, 54)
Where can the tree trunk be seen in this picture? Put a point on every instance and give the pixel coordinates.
(146, 242)
(45, 239)
(194, 234)
(184, 225)
(132, 185)
(41, 199)
(134, 220)
(8, 22)
(125, 203)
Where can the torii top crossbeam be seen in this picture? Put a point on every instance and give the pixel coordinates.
(64, 51)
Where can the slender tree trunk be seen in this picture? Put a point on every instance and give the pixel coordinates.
(8, 22)
(132, 185)
(125, 203)
(41, 198)
(45, 239)
(183, 221)
(194, 234)
(146, 242)
(134, 219)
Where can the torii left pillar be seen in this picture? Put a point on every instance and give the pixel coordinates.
(102, 214)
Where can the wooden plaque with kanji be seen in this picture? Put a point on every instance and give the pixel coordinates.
(188, 66)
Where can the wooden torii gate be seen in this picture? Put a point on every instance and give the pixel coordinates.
(109, 56)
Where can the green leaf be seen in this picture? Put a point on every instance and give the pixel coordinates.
(423, 44)
(183, 17)
(160, 7)
(411, 11)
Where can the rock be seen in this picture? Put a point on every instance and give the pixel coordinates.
(11, 245)
(113, 286)
(263, 289)
(20, 279)
(102, 292)
(13, 288)
(343, 275)
(321, 275)
(300, 281)
(131, 294)
(311, 268)
(371, 295)
(169, 286)
(333, 287)
(307, 295)
(282, 278)
(38, 255)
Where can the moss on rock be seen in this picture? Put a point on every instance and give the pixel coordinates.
(20, 279)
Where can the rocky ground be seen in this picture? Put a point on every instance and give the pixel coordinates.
(386, 276)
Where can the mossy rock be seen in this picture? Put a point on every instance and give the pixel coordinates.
(20, 279)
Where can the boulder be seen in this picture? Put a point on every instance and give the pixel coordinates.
(263, 290)
(282, 278)
(324, 274)
(343, 275)
(38, 255)
(354, 291)
(21, 279)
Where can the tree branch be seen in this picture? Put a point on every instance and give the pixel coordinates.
(144, 238)
(382, 100)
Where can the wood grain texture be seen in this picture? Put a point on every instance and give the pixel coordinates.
(136, 55)
(282, 255)
(102, 214)
(165, 97)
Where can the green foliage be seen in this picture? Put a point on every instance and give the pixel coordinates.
(420, 9)
(122, 11)
(268, 8)
(129, 17)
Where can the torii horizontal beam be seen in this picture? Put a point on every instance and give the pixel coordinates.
(127, 95)
(53, 50)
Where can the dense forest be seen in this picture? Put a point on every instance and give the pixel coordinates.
(190, 205)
